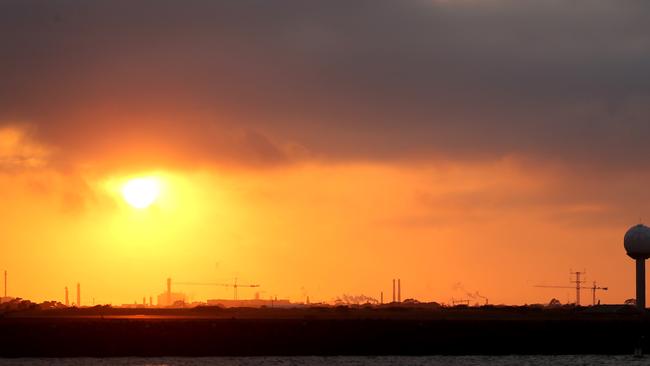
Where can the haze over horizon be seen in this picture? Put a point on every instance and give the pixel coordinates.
(323, 148)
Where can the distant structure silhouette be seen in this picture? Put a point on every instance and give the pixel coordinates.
(455, 302)
(478, 295)
(67, 302)
(579, 280)
(169, 292)
(78, 295)
(578, 283)
(637, 246)
(399, 290)
(234, 285)
(169, 298)
(593, 292)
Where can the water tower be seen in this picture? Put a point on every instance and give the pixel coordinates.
(637, 245)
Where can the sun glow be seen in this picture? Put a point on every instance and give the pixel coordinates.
(141, 192)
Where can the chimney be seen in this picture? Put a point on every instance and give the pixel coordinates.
(67, 302)
(382, 298)
(78, 295)
(169, 292)
(393, 290)
(399, 290)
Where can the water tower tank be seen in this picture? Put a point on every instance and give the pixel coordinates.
(637, 245)
(637, 242)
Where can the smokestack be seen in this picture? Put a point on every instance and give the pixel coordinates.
(169, 292)
(381, 296)
(393, 290)
(399, 290)
(78, 295)
(67, 302)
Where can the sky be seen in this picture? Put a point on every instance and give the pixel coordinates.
(323, 148)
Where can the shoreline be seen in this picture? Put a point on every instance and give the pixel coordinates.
(320, 332)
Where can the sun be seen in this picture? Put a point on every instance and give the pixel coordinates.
(141, 192)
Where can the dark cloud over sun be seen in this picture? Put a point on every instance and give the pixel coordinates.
(268, 82)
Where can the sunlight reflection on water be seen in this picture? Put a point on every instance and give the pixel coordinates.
(337, 361)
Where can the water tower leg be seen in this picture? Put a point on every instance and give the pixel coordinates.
(640, 283)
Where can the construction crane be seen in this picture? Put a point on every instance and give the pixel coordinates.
(593, 289)
(234, 285)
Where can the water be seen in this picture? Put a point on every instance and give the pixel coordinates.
(591, 360)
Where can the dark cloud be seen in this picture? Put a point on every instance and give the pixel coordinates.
(247, 81)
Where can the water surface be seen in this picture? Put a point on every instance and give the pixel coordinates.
(338, 361)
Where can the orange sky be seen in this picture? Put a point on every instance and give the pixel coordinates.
(323, 148)
(315, 228)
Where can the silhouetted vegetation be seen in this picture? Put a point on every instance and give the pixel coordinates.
(20, 305)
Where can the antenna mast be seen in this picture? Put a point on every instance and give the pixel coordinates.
(578, 283)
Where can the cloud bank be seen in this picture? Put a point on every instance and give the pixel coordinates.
(262, 83)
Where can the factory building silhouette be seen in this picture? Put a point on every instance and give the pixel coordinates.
(169, 298)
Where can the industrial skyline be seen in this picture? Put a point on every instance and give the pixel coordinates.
(169, 298)
(319, 152)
